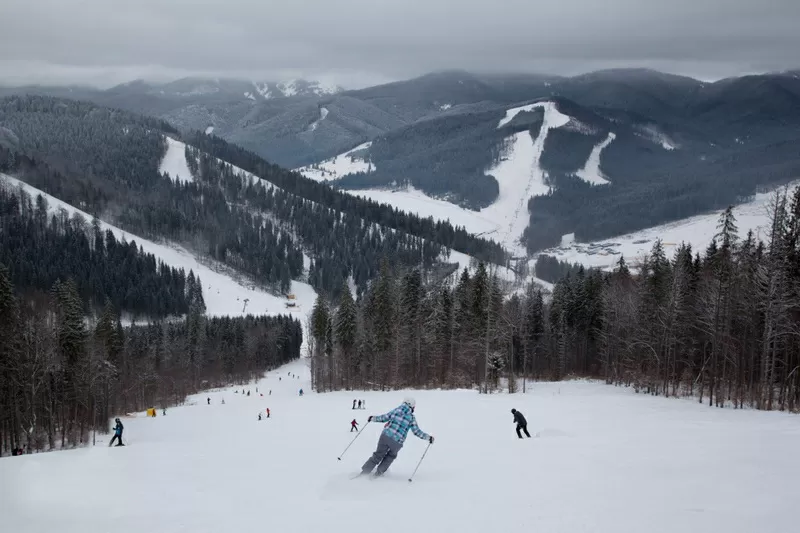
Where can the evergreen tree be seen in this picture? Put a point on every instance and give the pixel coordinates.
(346, 332)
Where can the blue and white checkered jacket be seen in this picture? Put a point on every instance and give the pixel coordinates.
(398, 422)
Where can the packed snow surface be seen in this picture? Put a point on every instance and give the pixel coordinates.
(591, 172)
(413, 200)
(601, 460)
(514, 111)
(697, 231)
(174, 162)
(224, 294)
(347, 163)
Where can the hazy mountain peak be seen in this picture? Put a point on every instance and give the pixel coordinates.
(295, 87)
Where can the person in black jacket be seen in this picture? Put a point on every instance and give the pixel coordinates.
(522, 424)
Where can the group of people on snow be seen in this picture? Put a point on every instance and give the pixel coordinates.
(362, 404)
(398, 422)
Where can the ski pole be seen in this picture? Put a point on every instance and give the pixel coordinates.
(358, 434)
(420, 462)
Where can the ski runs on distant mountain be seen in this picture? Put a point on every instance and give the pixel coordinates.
(449, 255)
(334, 168)
(591, 172)
(520, 175)
(174, 162)
(323, 113)
(511, 113)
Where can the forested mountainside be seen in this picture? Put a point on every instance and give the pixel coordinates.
(62, 379)
(719, 324)
(643, 150)
(680, 146)
(42, 249)
(107, 163)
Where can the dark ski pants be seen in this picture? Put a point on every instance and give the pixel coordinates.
(522, 428)
(353, 428)
(118, 438)
(384, 455)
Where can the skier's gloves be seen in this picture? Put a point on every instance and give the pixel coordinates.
(430, 440)
(369, 419)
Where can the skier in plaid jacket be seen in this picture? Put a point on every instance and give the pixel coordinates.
(398, 423)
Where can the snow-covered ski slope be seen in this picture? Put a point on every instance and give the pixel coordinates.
(697, 231)
(334, 168)
(591, 172)
(413, 200)
(224, 293)
(174, 162)
(602, 460)
(323, 114)
(520, 176)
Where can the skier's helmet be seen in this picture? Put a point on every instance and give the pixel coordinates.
(116, 420)
(411, 403)
(514, 411)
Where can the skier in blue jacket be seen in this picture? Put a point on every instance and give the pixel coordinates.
(117, 433)
(398, 422)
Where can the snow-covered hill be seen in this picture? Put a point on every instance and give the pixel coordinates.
(349, 162)
(225, 293)
(269, 90)
(697, 231)
(601, 460)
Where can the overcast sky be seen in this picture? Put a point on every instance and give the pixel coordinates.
(359, 42)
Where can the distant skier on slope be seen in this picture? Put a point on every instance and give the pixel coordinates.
(353, 425)
(398, 422)
(522, 424)
(117, 433)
